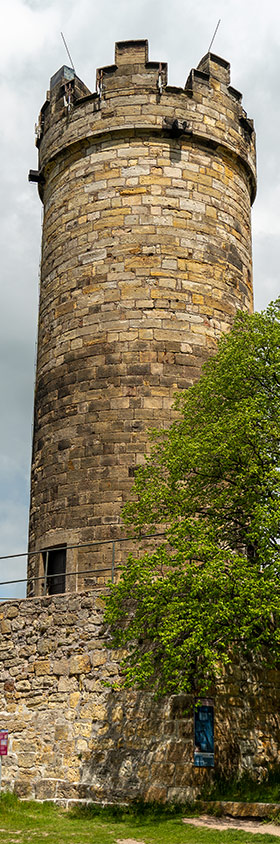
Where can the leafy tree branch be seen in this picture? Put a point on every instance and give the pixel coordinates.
(211, 592)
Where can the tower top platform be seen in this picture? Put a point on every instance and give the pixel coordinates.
(133, 96)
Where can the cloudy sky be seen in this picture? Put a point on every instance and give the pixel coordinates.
(31, 50)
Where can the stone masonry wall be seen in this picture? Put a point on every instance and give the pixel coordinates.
(72, 738)
(146, 256)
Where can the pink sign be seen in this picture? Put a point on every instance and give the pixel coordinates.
(3, 742)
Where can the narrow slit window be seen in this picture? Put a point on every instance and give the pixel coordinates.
(55, 570)
(204, 736)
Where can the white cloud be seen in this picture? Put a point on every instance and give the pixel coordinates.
(24, 32)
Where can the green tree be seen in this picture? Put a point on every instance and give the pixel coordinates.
(210, 591)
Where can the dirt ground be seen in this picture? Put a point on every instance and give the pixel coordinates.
(234, 823)
(129, 841)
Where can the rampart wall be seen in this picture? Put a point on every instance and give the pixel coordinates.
(73, 738)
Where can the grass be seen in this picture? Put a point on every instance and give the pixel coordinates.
(43, 823)
(246, 789)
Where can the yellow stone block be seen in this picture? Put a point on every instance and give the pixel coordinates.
(129, 291)
(158, 274)
(181, 222)
(74, 699)
(145, 334)
(79, 664)
(42, 666)
(155, 180)
(215, 84)
(92, 288)
(61, 732)
(211, 212)
(108, 221)
(131, 191)
(94, 711)
(194, 266)
(86, 729)
(99, 657)
(229, 172)
(209, 121)
(204, 180)
(142, 260)
(112, 174)
(100, 603)
(117, 714)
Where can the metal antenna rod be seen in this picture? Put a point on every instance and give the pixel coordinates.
(215, 33)
(66, 48)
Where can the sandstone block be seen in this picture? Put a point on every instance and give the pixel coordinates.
(79, 664)
(42, 667)
(22, 685)
(12, 612)
(5, 626)
(61, 732)
(67, 684)
(98, 657)
(61, 667)
(74, 699)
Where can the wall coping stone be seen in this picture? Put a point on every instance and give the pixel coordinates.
(239, 810)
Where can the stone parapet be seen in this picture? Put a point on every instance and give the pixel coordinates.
(130, 98)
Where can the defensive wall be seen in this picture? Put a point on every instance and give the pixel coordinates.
(72, 738)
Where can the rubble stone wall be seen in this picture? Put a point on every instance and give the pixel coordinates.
(73, 738)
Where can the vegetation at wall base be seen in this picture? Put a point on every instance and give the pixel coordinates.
(245, 789)
(137, 809)
(210, 593)
(45, 823)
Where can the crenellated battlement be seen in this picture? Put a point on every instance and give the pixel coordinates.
(132, 69)
(132, 95)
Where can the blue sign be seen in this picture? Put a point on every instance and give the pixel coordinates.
(204, 736)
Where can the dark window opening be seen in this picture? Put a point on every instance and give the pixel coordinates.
(204, 736)
(54, 570)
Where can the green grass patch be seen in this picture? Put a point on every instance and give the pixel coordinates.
(44, 823)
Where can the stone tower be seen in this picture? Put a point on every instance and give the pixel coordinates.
(146, 255)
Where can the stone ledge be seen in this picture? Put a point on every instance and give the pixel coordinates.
(232, 809)
(239, 810)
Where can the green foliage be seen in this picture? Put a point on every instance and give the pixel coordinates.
(139, 810)
(245, 789)
(210, 592)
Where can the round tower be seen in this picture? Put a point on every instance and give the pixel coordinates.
(146, 256)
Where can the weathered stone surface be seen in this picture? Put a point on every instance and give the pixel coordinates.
(146, 256)
(12, 612)
(5, 626)
(72, 738)
(42, 667)
(79, 664)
